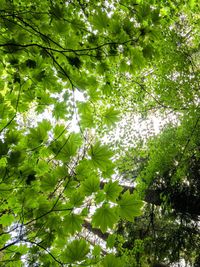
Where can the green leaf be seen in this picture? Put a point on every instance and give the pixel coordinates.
(85, 212)
(76, 199)
(16, 157)
(4, 189)
(111, 116)
(61, 27)
(112, 190)
(110, 242)
(44, 126)
(192, 3)
(93, 94)
(29, 198)
(110, 169)
(87, 120)
(96, 251)
(59, 130)
(56, 11)
(112, 261)
(136, 58)
(86, 115)
(48, 182)
(90, 185)
(129, 206)
(100, 20)
(3, 162)
(69, 147)
(73, 223)
(100, 197)
(60, 110)
(105, 217)
(148, 51)
(43, 206)
(107, 89)
(6, 219)
(13, 137)
(85, 169)
(100, 156)
(23, 249)
(76, 251)
(39, 134)
(42, 168)
(3, 239)
(60, 172)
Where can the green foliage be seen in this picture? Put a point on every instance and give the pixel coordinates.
(69, 72)
(76, 198)
(111, 261)
(105, 217)
(100, 156)
(60, 110)
(86, 115)
(48, 182)
(90, 185)
(76, 251)
(111, 240)
(112, 190)
(129, 206)
(110, 116)
(72, 223)
(6, 219)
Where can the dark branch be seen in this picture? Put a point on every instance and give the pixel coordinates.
(40, 246)
(95, 231)
(9, 245)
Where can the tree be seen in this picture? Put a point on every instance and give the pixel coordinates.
(168, 178)
(57, 183)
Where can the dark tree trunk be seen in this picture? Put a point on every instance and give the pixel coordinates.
(182, 202)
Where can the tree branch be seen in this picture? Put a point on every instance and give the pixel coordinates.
(95, 231)
(40, 246)
(9, 245)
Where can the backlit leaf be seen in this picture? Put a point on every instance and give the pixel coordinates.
(111, 116)
(129, 206)
(112, 190)
(90, 185)
(104, 217)
(76, 250)
(100, 156)
(72, 223)
(112, 261)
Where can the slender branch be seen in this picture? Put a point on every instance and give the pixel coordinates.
(38, 32)
(8, 123)
(36, 45)
(10, 231)
(60, 149)
(63, 50)
(40, 246)
(46, 213)
(156, 100)
(61, 68)
(9, 245)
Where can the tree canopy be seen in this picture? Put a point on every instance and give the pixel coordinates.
(72, 192)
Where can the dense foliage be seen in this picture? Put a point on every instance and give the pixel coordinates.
(70, 70)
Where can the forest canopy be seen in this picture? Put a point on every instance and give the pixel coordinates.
(81, 184)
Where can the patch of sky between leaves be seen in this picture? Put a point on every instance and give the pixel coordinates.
(32, 118)
(131, 126)
(127, 131)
